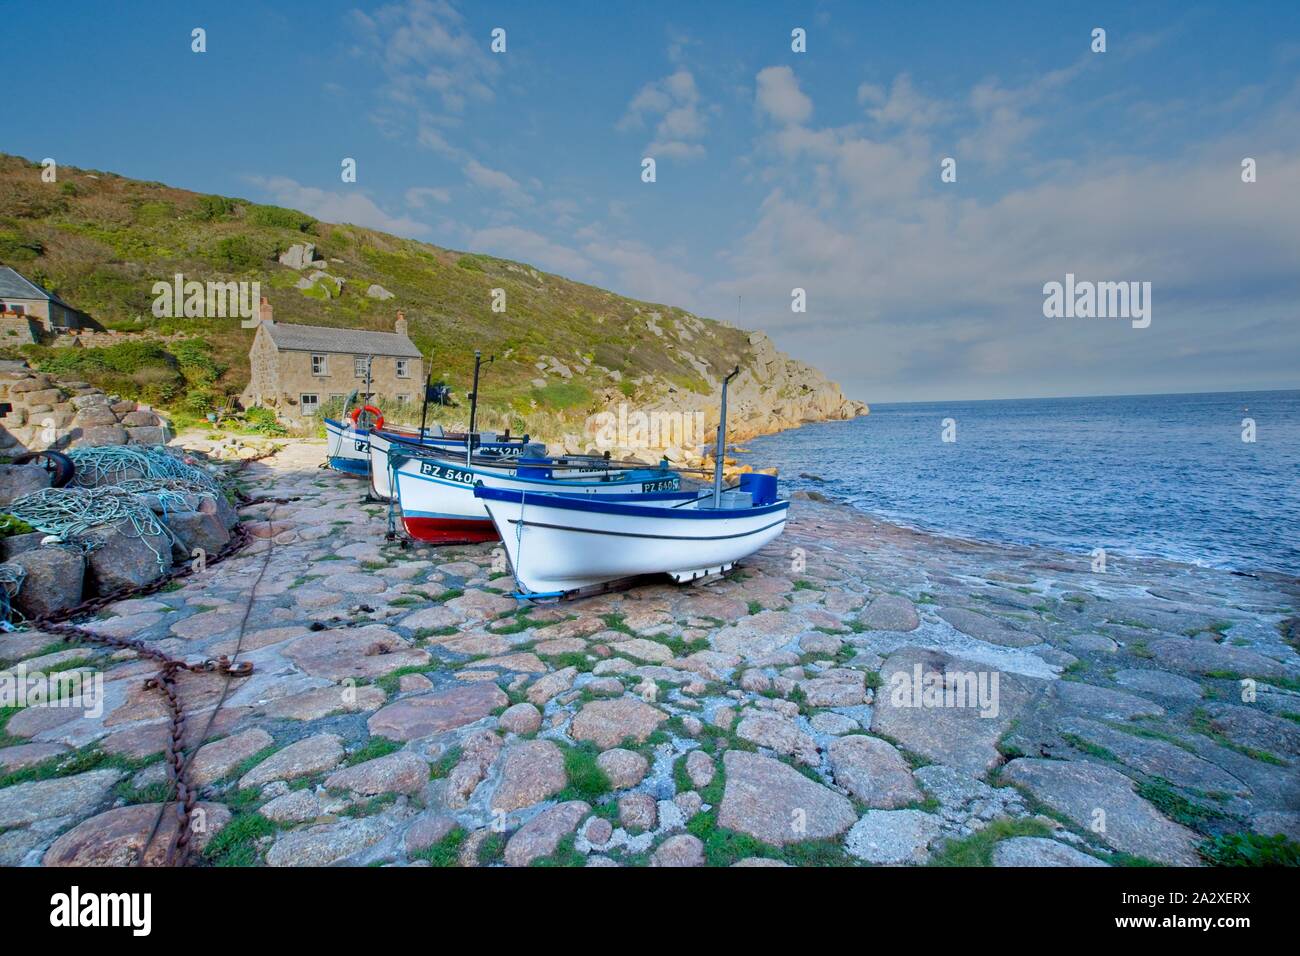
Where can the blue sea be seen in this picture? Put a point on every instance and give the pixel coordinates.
(1157, 475)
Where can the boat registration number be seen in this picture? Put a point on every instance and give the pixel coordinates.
(446, 474)
(663, 484)
(361, 445)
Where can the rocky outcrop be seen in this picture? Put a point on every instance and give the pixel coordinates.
(46, 412)
(300, 255)
(772, 393)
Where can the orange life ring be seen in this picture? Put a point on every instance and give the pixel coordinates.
(376, 413)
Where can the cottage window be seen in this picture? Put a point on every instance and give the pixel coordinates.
(403, 368)
(310, 404)
(319, 365)
(403, 399)
(359, 365)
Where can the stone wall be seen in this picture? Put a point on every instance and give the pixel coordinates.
(16, 329)
(45, 413)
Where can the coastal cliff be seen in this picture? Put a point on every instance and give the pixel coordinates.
(565, 353)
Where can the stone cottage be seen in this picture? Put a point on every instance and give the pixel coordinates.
(30, 314)
(298, 368)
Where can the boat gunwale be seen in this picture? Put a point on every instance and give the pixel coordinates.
(620, 479)
(597, 504)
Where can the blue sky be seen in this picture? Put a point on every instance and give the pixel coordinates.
(776, 169)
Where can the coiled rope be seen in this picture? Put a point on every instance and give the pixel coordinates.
(116, 464)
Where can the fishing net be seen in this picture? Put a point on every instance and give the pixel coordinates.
(69, 513)
(114, 464)
(11, 581)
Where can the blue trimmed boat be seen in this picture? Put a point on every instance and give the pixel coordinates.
(347, 446)
(437, 494)
(560, 543)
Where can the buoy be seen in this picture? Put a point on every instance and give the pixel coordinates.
(374, 412)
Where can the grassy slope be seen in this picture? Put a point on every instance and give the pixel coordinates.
(101, 240)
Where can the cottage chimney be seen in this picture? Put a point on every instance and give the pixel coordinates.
(400, 325)
(264, 312)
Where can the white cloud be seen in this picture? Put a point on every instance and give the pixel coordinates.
(420, 196)
(348, 206)
(674, 104)
(495, 180)
(637, 270)
(425, 51)
(902, 105)
(778, 95)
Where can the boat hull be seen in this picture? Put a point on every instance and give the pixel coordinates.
(557, 544)
(381, 481)
(449, 530)
(435, 496)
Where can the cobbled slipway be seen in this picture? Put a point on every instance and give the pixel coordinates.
(856, 694)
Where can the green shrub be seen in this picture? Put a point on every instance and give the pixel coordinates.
(1251, 849)
(15, 247)
(280, 218)
(263, 421)
(212, 208)
(239, 253)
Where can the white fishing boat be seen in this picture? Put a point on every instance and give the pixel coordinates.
(438, 504)
(488, 448)
(560, 543)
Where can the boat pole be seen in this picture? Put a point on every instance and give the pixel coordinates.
(720, 451)
(424, 410)
(473, 409)
(370, 360)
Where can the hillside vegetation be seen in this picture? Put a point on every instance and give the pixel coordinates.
(563, 349)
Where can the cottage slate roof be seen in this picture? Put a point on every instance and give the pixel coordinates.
(15, 286)
(315, 338)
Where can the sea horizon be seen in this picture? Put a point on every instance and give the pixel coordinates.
(1176, 476)
(1048, 398)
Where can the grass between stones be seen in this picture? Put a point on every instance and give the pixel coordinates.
(235, 844)
(1200, 723)
(445, 852)
(977, 849)
(1162, 795)
(444, 765)
(5, 739)
(79, 761)
(1250, 849)
(576, 659)
(723, 847)
(374, 748)
(587, 781)
(424, 633)
(248, 763)
(518, 621)
(564, 855)
(373, 805)
(1091, 749)
(390, 681)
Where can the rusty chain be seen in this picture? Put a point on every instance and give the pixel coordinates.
(165, 680)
